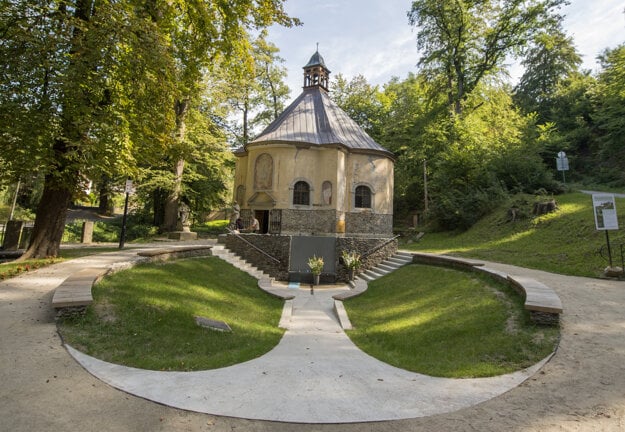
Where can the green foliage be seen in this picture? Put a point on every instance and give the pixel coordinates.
(212, 228)
(551, 58)
(610, 115)
(315, 264)
(144, 317)
(137, 228)
(12, 269)
(444, 322)
(465, 42)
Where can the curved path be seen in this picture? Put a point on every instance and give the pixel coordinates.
(582, 388)
(314, 375)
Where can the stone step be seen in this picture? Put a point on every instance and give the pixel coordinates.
(375, 273)
(391, 264)
(402, 254)
(386, 267)
(230, 257)
(399, 260)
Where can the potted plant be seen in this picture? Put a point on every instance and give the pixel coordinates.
(316, 267)
(351, 260)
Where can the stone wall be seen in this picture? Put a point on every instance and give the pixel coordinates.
(309, 221)
(277, 246)
(368, 223)
(362, 246)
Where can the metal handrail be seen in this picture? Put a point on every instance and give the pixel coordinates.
(255, 247)
(380, 246)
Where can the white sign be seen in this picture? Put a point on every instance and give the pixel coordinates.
(129, 189)
(562, 162)
(604, 208)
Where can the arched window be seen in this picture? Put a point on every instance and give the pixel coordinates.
(301, 193)
(362, 197)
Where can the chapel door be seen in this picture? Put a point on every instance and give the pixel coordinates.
(263, 220)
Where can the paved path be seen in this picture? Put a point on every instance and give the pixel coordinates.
(42, 388)
(314, 375)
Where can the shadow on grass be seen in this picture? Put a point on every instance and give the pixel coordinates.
(144, 317)
(449, 323)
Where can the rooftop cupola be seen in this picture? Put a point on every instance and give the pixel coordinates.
(316, 73)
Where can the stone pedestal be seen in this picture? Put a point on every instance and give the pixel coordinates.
(87, 232)
(182, 235)
(12, 233)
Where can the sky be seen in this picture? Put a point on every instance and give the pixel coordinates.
(373, 38)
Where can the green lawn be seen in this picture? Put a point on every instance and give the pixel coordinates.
(144, 317)
(448, 323)
(564, 242)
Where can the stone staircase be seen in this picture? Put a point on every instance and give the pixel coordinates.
(232, 258)
(385, 267)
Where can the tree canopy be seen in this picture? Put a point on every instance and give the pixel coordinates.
(100, 87)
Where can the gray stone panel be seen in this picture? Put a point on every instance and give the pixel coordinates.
(369, 223)
(309, 222)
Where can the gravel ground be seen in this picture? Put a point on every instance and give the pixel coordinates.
(581, 389)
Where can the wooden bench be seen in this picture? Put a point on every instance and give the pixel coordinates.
(166, 254)
(541, 301)
(444, 260)
(73, 295)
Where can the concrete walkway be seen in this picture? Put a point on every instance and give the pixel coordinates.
(314, 375)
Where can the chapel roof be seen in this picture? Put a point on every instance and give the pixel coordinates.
(315, 119)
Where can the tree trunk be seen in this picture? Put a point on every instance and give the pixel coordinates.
(47, 233)
(106, 205)
(170, 216)
(159, 196)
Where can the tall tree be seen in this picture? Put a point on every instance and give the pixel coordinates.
(76, 81)
(551, 58)
(465, 41)
(610, 115)
(257, 92)
(363, 102)
(201, 32)
(85, 83)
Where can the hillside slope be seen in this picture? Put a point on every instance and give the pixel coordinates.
(564, 242)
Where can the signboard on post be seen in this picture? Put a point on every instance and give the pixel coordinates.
(604, 208)
(129, 189)
(562, 164)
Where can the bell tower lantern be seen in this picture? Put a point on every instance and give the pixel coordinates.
(316, 73)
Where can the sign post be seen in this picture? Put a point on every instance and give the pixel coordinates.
(604, 209)
(562, 163)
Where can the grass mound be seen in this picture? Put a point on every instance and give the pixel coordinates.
(564, 242)
(448, 323)
(144, 317)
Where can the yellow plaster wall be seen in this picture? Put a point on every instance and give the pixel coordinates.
(316, 165)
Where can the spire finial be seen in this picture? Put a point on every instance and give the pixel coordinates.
(317, 46)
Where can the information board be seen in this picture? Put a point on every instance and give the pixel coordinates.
(604, 208)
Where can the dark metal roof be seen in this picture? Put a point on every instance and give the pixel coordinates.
(316, 60)
(314, 119)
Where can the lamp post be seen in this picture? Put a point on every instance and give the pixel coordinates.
(122, 236)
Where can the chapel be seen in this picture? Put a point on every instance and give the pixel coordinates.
(314, 171)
